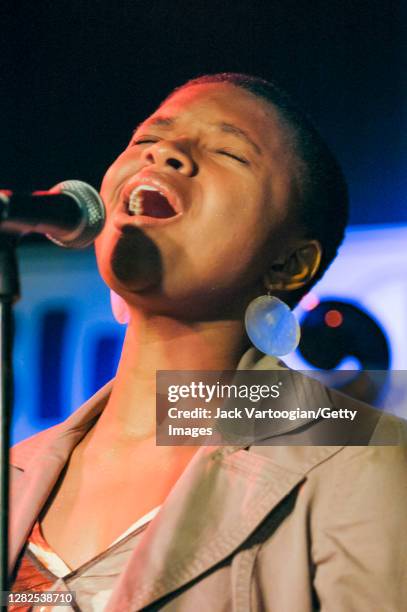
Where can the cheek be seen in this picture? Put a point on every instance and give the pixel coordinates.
(121, 169)
(233, 194)
(237, 214)
(229, 246)
(103, 251)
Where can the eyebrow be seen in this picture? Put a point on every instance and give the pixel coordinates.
(228, 128)
(158, 121)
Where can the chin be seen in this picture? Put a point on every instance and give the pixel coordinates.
(131, 263)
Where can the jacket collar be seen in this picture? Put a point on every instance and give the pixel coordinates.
(219, 501)
(297, 390)
(240, 489)
(38, 462)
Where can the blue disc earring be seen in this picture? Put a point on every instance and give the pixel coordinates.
(272, 326)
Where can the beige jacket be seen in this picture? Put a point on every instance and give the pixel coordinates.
(275, 528)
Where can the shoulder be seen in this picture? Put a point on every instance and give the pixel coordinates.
(25, 452)
(363, 474)
(359, 478)
(61, 437)
(377, 426)
(340, 462)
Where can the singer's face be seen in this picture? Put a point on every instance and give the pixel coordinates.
(198, 205)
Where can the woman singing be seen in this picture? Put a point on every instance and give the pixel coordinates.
(226, 193)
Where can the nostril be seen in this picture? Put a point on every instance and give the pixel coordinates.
(174, 163)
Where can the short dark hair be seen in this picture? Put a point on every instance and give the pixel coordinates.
(324, 206)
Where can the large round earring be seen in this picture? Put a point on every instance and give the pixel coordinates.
(119, 308)
(272, 326)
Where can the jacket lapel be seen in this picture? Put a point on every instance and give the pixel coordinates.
(36, 465)
(219, 501)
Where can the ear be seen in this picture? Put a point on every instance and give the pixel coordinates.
(119, 308)
(296, 268)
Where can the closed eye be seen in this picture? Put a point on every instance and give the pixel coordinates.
(238, 158)
(141, 141)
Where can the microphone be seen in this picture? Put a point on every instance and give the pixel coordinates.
(71, 214)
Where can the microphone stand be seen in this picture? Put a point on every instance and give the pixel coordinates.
(9, 293)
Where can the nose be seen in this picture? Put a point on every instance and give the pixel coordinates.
(171, 154)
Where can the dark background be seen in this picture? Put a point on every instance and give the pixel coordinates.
(78, 76)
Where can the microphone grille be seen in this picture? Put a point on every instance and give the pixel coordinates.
(93, 214)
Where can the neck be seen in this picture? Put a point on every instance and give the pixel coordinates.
(161, 343)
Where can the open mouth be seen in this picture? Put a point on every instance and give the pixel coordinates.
(150, 202)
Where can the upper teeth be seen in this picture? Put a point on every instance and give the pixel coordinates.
(135, 199)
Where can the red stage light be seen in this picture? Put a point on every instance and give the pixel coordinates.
(333, 318)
